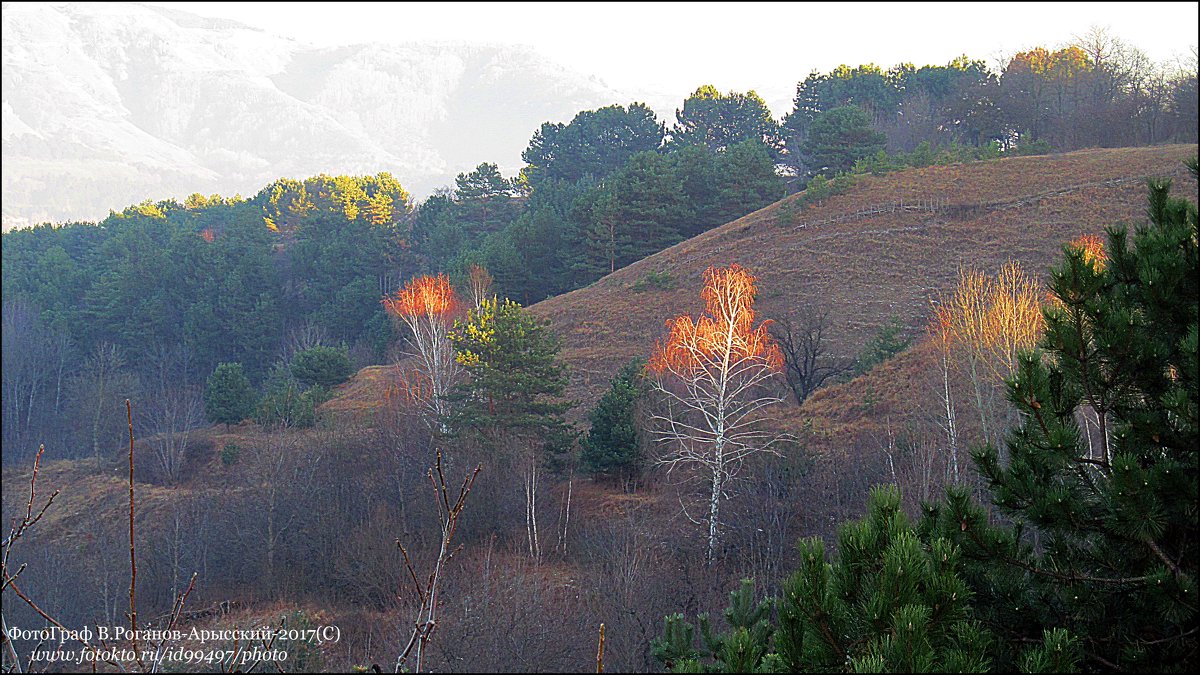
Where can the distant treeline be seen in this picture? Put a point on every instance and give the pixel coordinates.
(164, 291)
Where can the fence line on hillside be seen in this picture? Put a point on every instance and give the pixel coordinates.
(935, 205)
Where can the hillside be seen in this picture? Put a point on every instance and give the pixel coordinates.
(326, 505)
(866, 267)
(858, 252)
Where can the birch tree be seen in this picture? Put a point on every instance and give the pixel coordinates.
(981, 327)
(479, 283)
(941, 331)
(427, 305)
(711, 372)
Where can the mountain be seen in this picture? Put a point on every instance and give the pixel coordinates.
(106, 105)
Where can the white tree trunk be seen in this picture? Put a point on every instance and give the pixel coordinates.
(951, 429)
(531, 531)
(714, 506)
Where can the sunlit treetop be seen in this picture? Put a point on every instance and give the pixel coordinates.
(424, 296)
(725, 333)
(991, 316)
(1041, 61)
(1093, 250)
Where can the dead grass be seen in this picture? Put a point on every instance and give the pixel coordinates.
(867, 270)
(363, 394)
(870, 269)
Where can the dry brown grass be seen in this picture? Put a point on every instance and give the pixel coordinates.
(870, 269)
(866, 271)
(363, 394)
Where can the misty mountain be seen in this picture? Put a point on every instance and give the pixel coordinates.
(106, 106)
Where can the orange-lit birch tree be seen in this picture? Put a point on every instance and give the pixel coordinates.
(711, 372)
(1093, 250)
(981, 328)
(427, 306)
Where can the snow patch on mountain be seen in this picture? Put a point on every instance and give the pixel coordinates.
(105, 105)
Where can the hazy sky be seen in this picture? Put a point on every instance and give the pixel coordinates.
(669, 49)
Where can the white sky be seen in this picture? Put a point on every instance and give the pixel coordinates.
(668, 49)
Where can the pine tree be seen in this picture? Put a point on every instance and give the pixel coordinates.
(1105, 536)
(888, 602)
(719, 121)
(838, 138)
(745, 181)
(511, 402)
(229, 398)
(284, 404)
(641, 209)
(515, 378)
(613, 445)
(886, 343)
(322, 366)
(744, 649)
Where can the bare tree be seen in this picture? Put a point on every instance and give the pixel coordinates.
(986, 322)
(711, 372)
(941, 332)
(280, 469)
(8, 581)
(102, 382)
(305, 336)
(35, 363)
(807, 364)
(427, 592)
(173, 407)
(479, 282)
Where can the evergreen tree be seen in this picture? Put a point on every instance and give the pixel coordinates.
(613, 445)
(719, 121)
(743, 650)
(229, 398)
(322, 366)
(641, 209)
(887, 342)
(436, 233)
(543, 252)
(511, 403)
(888, 602)
(595, 143)
(1105, 541)
(745, 182)
(284, 404)
(484, 201)
(515, 379)
(839, 138)
(483, 183)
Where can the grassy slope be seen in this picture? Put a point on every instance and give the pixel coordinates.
(866, 269)
(872, 268)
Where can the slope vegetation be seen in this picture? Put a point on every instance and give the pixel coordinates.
(877, 251)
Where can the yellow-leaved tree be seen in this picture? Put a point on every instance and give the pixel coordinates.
(979, 329)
